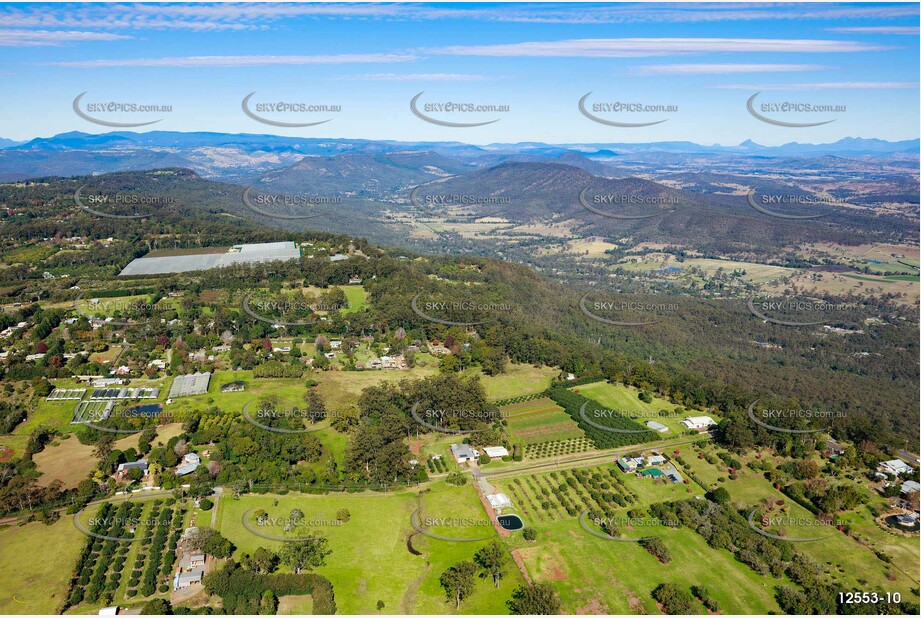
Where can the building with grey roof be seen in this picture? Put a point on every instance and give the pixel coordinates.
(463, 452)
(184, 580)
(191, 384)
(239, 254)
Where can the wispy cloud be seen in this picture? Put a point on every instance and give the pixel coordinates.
(230, 15)
(414, 77)
(721, 69)
(239, 16)
(236, 61)
(824, 86)
(636, 48)
(878, 29)
(44, 38)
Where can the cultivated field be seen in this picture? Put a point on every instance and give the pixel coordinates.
(564, 494)
(540, 420)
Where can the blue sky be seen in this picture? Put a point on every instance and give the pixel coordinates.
(537, 59)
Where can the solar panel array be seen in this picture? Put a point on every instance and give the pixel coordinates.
(192, 384)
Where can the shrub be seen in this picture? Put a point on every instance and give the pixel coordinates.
(674, 600)
(704, 595)
(657, 548)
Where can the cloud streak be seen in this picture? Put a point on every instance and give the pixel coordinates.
(878, 29)
(232, 16)
(721, 69)
(414, 77)
(637, 48)
(46, 38)
(824, 86)
(236, 61)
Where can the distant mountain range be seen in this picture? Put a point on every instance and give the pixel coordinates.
(77, 140)
(364, 175)
(377, 166)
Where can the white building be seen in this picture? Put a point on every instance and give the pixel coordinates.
(656, 426)
(499, 501)
(895, 466)
(698, 422)
(496, 451)
(910, 487)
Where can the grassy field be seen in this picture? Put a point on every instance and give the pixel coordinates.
(589, 247)
(518, 379)
(364, 572)
(597, 576)
(593, 575)
(164, 433)
(626, 399)
(36, 560)
(69, 462)
(849, 564)
(754, 272)
(341, 389)
(828, 283)
(295, 605)
(109, 306)
(540, 420)
(356, 296)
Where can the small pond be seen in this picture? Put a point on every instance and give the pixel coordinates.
(150, 409)
(511, 522)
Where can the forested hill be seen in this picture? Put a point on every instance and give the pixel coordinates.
(699, 351)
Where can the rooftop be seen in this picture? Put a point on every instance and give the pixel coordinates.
(239, 254)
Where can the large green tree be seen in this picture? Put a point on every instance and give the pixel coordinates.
(459, 582)
(492, 560)
(305, 554)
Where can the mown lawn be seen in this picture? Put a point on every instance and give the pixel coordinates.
(518, 379)
(626, 399)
